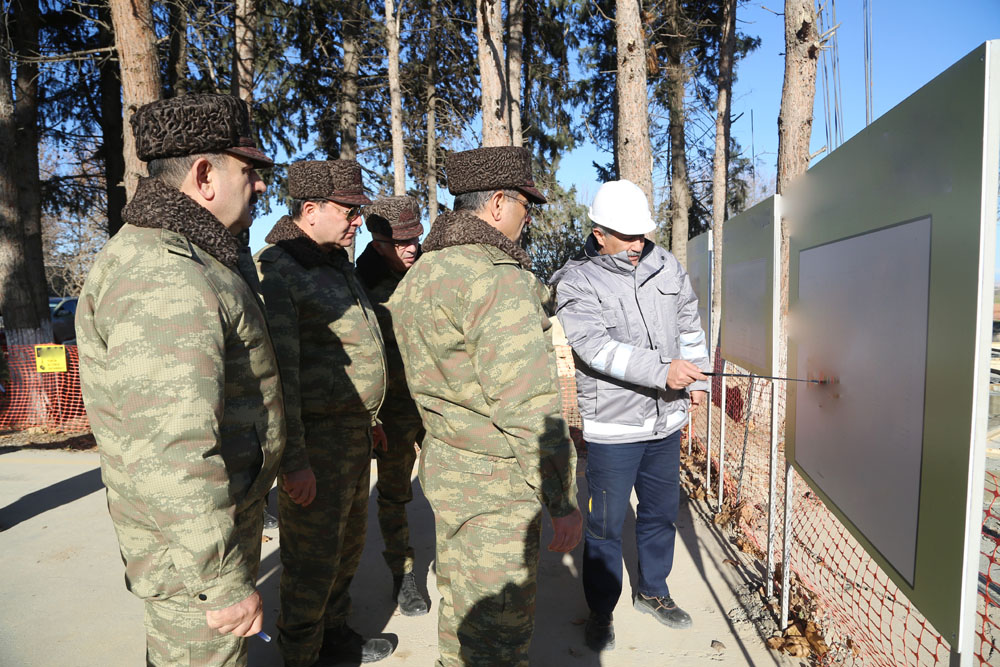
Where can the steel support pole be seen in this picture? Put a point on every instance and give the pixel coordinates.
(786, 543)
(772, 479)
(722, 442)
(690, 426)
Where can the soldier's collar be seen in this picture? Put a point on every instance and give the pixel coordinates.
(156, 205)
(303, 249)
(463, 228)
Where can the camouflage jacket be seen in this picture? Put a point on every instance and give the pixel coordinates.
(326, 335)
(380, 282)
(182, 390)
(479, 357)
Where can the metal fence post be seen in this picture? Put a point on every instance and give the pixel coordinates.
(722, 441)
(772, 478)
(786, 543)
(690, 426)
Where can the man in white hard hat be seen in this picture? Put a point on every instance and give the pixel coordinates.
(631, 318)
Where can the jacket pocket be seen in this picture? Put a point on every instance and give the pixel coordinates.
(666, 293)
(621, 405)
(459, 460)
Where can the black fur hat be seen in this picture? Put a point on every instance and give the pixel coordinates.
(192, 124)
(493, 168)
(395, 217)
(336, 180)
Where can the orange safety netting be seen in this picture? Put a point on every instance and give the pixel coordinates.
(40, 400)
(866, 619)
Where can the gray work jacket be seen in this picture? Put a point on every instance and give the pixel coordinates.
(625, 325)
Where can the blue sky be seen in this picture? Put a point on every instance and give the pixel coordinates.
(912, 42)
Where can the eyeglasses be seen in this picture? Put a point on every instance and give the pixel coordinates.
(529, 208)
(352, 213)
(399, 243)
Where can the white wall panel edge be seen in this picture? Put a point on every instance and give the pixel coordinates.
(984, 326)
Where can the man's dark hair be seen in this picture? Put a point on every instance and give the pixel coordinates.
(474, 201)
(295, 207)
(173, 170)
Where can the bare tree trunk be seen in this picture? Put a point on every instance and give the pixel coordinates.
(515, 36)
(492, 73)
(25, 144)
(395, 99)
(633, 151)
(112, 149)
(349, 87)
(677, 75)
(795, 128)
(140, 74)
(720, 165)
(349, 93)
(177, 80)
(431, 95)
(244, 27)
(18, 295)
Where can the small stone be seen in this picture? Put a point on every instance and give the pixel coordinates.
(718, 646)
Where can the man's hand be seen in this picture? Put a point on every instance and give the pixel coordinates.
(379, 440)
(300, 485)
(682, 373)
(697, 399)
(568, 531)
(241, 619)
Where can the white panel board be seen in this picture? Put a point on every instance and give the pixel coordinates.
(865, 301)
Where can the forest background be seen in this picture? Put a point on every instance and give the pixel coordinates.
(324, 77)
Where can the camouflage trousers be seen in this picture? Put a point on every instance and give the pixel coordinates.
(395, 490)
(321, 544)
(488, 532)
(177, 633)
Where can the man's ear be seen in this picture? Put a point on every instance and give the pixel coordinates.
(599, 237)
(495, 204)
(204, 178)
(308, 212)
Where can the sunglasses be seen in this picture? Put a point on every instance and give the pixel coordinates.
(399, 243)
(352, 213)
(529, 208)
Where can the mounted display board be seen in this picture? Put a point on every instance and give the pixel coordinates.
(699, 269)
(749, 286)
(892, 248)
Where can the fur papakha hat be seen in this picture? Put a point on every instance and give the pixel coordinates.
(395, 217)
(335, 180)
(192, 124)
(493, 168)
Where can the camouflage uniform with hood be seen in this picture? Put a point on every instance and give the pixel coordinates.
(480, 364)
(182, 391)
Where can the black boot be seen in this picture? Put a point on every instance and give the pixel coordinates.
(270, 521)
(345, 645)
(599, 633)
(664, 609)
(404, 590)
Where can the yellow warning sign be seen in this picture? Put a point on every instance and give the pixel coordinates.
(50, 358)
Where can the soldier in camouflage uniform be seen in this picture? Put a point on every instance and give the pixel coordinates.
(480, 364)
(181, 383)
(394, 223)
(333, 371)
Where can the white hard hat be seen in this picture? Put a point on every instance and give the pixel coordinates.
(622, 206)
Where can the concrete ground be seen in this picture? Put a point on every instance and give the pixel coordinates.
(64, 601)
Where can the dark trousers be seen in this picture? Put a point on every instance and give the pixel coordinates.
(653, 468)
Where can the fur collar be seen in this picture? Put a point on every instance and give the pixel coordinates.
(156, 205)
(463, 228)
(303, 249)
(373, 269)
